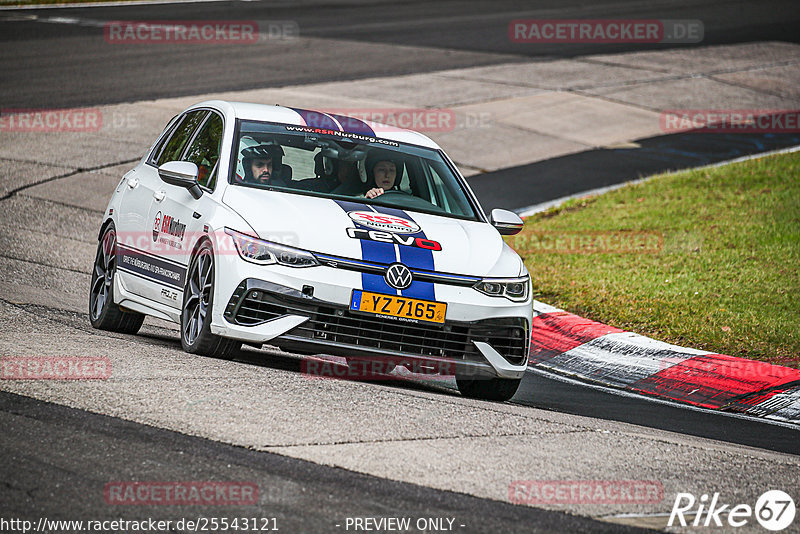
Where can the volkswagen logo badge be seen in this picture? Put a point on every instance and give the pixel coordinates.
(398, 276)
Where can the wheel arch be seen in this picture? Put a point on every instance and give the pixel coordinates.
(195, 248)
(103, 227)
(197, 244)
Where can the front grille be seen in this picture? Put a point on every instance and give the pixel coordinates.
(336, 324)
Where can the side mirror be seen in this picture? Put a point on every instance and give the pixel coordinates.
(506, 222)
(182, 174)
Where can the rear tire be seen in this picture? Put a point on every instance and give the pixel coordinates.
(104, 314)
(491, 389)
(198, 302)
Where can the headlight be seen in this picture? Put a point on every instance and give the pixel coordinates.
(515, 289)
(266, 253)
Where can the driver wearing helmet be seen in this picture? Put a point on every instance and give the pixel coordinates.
(383, 171)
(262, 164)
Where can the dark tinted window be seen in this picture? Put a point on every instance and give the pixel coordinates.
(342, 165)
(163, 140)
(204, 150)
(180, 136)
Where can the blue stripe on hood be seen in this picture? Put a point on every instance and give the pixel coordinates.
(414, 257)
(372, 251)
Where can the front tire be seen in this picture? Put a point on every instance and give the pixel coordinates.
(198, 301)
(491, 389)
(104, 314)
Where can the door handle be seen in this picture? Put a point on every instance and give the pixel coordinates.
(132, 182)
(159, 195)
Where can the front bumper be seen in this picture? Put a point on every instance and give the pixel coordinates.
(261, 311)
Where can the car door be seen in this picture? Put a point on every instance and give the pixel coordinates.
(178, 218)
(145, 265)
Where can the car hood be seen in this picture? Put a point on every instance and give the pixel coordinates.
(321, 225)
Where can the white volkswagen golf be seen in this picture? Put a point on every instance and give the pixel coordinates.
(319, 234)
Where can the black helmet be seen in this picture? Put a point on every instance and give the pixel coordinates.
(376, 155)
(264, 150)
(258, 150)
(325, 165)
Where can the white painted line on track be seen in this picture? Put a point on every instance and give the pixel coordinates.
(544, 206)
(108, 4)
(624, 393)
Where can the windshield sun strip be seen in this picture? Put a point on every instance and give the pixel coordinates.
(476, 215)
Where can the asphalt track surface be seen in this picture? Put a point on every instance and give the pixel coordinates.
(302, 496)
(564, 176)
(49, 64)
(548, 393)
(55, 65)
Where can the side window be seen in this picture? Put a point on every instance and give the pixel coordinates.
(404, 182)
(180, 136)
(162, 141)
(442, 193)
(301, 162)
(204, 150)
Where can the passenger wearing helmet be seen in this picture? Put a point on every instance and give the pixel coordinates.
(333, 176)
(262, 164)
(348, 181)
(384, 170)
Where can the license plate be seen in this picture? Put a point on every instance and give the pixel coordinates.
(402, 308)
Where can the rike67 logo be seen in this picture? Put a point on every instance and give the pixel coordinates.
(774, 510)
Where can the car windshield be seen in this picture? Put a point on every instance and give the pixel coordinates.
(341, 165)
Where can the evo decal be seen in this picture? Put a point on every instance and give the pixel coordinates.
(387, 237)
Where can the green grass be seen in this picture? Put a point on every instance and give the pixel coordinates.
(718, 269)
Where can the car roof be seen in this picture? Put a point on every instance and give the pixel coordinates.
(332, 121)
